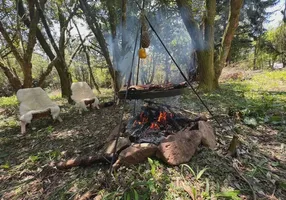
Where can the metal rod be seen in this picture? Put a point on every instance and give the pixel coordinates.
(138, 64)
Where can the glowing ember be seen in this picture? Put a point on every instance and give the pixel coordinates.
(154, 125)
(162, 117)
(143, 118)
(156, 122)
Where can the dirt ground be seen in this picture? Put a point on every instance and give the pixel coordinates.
(27, 162)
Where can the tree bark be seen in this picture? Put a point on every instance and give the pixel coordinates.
(13, 80)
(47, 72)
(208, 70)
(61, 66)
(202, 45)
(115, 48)
(206, 55)
(63, 74)
(232, 24)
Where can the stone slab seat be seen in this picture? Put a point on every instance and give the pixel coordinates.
(83, 96)
(34, 104)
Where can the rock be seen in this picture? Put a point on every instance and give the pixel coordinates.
(98, 197)
(135, 154)
(179, 148)
(121, 144)
(208, 137)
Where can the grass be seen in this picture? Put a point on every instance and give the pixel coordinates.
(8, 102)
(259, 100)
(256, 107)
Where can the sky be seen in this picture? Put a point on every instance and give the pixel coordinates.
(277, 16)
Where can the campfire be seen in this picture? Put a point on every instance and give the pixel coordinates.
(154, 123)
(160, 131)
(156, 131)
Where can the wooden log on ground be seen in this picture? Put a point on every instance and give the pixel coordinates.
(83, 161)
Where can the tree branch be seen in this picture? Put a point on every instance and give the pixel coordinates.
(48, 31)
(87, 58)
(97, 50)
(39, 35)
(32, 31)
(10, 44)
(14, 81)
(47, 72)
(74, 54)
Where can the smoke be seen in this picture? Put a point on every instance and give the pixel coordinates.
(168, 24)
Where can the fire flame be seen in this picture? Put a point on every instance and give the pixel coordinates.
(161, 120)
(154, 125)
(162, 117)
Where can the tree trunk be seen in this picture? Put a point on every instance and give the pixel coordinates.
(27, 72)
(205, 70)
(64, 78)
(203, 46)
(206, 55)
(208, 71)
(255, 57)
(61, 66)
(13, 80)
(232, 24)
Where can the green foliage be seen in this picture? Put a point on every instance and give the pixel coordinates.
(259, 100)
(5, 166)
(229, 194)
(197, 174)
(8, 101)
(50, 129)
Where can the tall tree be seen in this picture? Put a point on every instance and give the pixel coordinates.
(56, 58)
(22, 54)
(61, 65)
(209, 67)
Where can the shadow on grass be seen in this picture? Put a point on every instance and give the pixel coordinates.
(28, 157)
